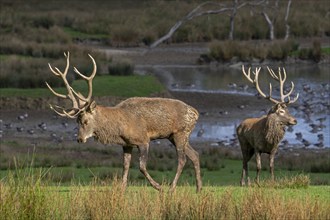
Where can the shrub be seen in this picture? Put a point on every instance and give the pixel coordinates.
(121, 68)
(222, 51)
(43, 21)
(316, 53)
(243, 51)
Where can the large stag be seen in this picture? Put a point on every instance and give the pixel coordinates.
(132, 123)
(262, 135)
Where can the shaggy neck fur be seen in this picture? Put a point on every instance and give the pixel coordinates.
(108, 131)
(274, 130)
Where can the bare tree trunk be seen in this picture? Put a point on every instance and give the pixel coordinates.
(194, 13)
(287, 26)
(232, 20)
(198, 11)
(270, 26)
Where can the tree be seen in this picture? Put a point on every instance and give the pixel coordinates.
(287, 26)
(202, 9)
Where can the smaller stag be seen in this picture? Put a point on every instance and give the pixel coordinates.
(132, 123)
(262, 135)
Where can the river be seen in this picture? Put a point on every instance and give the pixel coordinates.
(311, 109)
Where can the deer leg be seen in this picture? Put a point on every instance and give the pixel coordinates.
(127, 161)
(271, 165)
(247, 154)
(244, 172)
(194, 157)
(258, 160)
(180, 141)
(144, 149)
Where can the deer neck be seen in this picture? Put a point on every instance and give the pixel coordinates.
(274, 130)
(108, 125)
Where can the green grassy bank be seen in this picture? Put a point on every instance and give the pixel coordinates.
(122, 86)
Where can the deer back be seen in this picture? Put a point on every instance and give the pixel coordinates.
(137, 120)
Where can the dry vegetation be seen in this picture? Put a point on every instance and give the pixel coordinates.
(26, 197)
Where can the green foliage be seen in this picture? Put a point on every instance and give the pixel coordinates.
(314, 53)
(121, 68)
(225, 51)
(128, 86)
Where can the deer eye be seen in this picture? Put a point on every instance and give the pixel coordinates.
(281, 111)
(85, 122)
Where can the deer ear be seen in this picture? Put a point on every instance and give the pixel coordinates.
(91, 107)
(274, 108)
(283, 105)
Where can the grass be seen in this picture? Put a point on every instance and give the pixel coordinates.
(223, 177)
(325, 50)
(95, 193)
(27, 197)
(80, 35)
(122, 86)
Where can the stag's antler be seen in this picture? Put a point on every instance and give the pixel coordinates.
(76, 108)
(281, 78)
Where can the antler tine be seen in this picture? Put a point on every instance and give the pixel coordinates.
(247, 75)
(64, 114)
(55, 93)
(272, 74)
(294, 100)
(89, 81)
(256, 83)
(70, 95)
(53, 71)
(282, 78)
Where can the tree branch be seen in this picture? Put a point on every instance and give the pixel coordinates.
(197, 12)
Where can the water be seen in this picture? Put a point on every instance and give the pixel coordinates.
(311, 82)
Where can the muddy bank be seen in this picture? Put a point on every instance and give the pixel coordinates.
(223, 107)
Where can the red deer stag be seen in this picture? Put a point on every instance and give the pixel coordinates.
(262, 135)
(132, 123)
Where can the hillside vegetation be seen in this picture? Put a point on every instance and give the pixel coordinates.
(34, 33)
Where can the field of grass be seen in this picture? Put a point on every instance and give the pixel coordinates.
(230, 176)
(25, 196)
(122, 86)
(90, 189)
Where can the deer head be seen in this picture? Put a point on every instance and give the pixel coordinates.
(79, 102)
(280, 108)
(82, 107)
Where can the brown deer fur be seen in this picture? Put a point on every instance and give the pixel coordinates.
(262, 135)
(136, 121)
(132, 123)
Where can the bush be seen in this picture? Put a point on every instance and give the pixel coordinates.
(243, 51)
(43, 21)
(121, 68)
(314, 53)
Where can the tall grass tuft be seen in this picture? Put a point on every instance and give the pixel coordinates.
(24, 195)
(293, 182)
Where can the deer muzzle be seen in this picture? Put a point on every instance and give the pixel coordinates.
(293, 121)
(81, 140)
